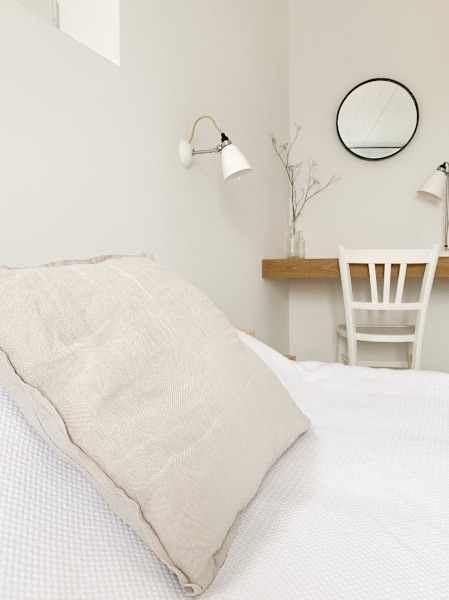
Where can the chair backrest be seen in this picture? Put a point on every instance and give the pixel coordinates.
(380, 263)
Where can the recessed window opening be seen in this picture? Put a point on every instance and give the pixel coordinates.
(96, 24)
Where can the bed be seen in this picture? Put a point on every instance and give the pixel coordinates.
(357, 508)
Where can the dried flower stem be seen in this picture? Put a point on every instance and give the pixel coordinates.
(293, 170)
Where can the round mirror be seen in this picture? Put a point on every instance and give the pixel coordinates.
(377, 119)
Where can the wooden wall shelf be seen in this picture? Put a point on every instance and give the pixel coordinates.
(327, 268)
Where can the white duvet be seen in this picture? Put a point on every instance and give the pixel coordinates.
(357, 509)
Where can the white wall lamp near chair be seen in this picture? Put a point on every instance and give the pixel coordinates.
(379, 263)
(437, 186)
(233, 162)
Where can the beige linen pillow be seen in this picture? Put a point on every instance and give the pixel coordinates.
(136, 378)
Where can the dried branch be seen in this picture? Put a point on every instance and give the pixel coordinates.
(313, 186)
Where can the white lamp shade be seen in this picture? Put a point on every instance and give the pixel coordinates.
(234, 163)
(435, 185)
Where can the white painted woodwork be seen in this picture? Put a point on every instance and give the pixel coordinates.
(353, 331)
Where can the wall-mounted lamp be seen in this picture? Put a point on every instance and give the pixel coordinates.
(233, 162)
(437, 186)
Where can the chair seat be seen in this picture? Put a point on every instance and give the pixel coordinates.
(379, 364)
(381, 333)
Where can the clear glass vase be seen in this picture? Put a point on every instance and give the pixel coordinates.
(292, 245)
(296, 244)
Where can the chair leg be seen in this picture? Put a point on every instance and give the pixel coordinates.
(339, 348)
(416, 355)
(352, 351)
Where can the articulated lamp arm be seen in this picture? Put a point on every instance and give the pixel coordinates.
(234, 164)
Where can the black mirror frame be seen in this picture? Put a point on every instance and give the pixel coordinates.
(369, 81)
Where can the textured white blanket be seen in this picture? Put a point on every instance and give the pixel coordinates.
(357, 509)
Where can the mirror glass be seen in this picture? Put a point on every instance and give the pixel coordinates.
(377, 119)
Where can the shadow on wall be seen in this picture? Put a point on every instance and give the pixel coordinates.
(94, 24)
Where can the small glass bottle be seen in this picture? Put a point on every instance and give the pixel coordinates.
(292, 246)
(301, 245)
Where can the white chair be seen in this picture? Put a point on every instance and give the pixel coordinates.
(379, 263)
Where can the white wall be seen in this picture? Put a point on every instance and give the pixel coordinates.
(89, 151)
(333, 47)
(41, 8)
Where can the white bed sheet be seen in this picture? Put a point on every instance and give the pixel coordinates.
(357, 509)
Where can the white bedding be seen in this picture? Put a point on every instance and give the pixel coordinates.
(357, 509)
